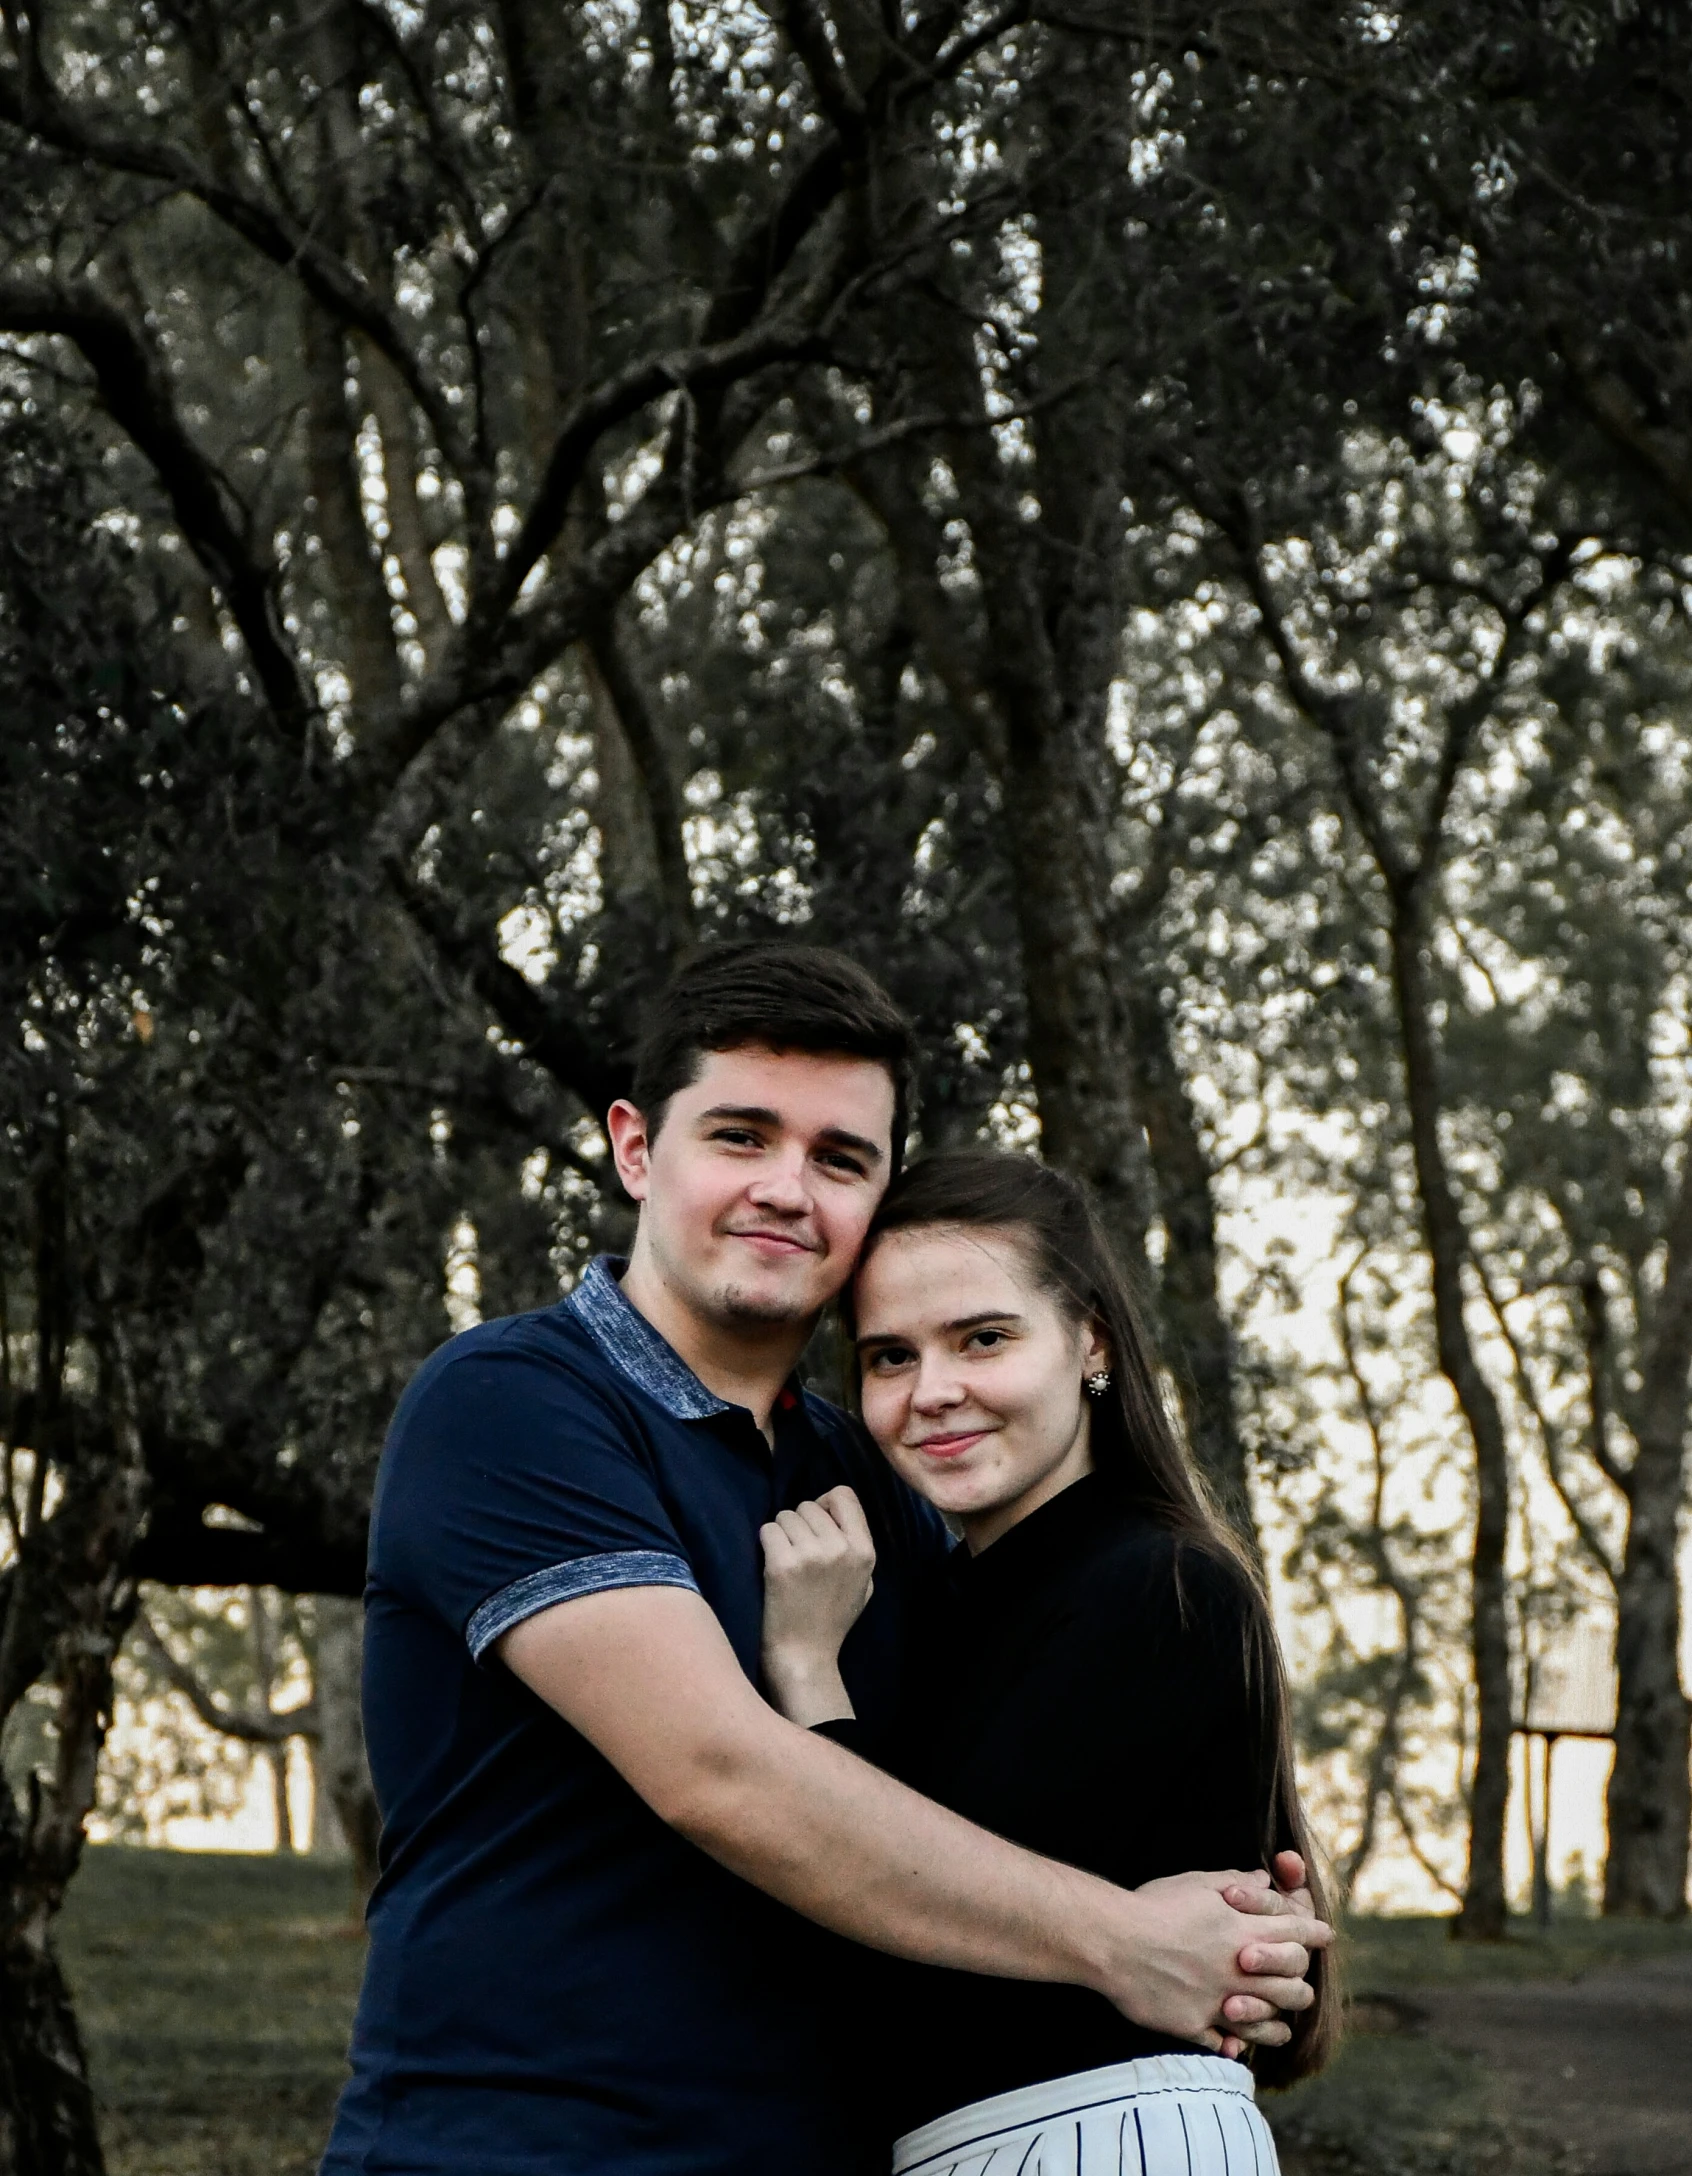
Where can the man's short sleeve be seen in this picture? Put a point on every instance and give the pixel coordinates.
(510, 1483)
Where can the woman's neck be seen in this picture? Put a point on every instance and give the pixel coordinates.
(982, 1528)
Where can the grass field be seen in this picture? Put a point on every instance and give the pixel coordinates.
(216, 1993)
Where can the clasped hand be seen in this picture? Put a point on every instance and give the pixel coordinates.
(819, 1571)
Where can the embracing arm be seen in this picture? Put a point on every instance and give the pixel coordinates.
(648, 1677)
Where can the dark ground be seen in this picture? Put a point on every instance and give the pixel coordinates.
(216, 1992)
(1570, 2056)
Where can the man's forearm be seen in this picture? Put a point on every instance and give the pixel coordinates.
(648, 1677)
(849, 1847)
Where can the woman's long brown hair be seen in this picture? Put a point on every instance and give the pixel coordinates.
(1051, 1220)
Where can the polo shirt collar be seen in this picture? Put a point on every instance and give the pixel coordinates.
(634, 1347)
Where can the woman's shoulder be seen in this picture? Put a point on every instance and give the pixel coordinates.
(1144, 1563)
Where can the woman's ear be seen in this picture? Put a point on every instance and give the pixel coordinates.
(1095, 1352)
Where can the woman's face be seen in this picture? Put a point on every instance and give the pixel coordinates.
(972, 1375)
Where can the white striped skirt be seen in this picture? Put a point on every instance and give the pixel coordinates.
(1160, 2115)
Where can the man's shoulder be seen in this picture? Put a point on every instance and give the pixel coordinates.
(543, 1355)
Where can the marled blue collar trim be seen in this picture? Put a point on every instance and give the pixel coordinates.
(634, 1347)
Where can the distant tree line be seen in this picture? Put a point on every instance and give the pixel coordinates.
(1164, 531)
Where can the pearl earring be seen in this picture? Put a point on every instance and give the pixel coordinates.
(1099, 1383)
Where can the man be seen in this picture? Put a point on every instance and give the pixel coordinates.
(598, 1943)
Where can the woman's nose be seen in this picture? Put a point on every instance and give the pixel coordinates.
(936, 1388)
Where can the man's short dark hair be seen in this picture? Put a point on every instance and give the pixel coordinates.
(785, 996)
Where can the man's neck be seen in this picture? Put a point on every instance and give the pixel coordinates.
(746, 1366)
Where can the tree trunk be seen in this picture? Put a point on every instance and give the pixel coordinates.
(47, 2124)
(363, 636)
(1048, 666)
(1082, 1078)
(275, 1757)
(1200, 1339)
(342, 1765)
(64, 1613)
(1484, 1913)
(639, 808)
(1649, 1805)
(1407, 876)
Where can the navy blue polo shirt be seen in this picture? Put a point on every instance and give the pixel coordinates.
(558, 1984)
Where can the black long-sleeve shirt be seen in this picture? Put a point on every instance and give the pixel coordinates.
(1080, 1688)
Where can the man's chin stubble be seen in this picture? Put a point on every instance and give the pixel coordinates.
(740, 1309)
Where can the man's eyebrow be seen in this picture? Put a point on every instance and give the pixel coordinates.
(838, 1137)
(961, 1322)
(757, 1114)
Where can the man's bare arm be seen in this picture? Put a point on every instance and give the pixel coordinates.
(647, 1675)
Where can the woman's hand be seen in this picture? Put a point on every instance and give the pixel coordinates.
(819, 1562)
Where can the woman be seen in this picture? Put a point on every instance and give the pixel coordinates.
(1099, 1679)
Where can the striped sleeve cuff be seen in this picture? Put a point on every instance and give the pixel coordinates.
(528, 1596)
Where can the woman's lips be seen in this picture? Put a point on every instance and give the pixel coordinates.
(952, 1446)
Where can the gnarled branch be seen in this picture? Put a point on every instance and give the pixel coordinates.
(250, 1725)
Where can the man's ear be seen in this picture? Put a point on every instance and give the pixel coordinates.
(630, 1147)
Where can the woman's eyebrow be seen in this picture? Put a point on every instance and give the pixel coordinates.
(1006, 1315)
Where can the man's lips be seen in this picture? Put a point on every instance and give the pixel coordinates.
(952, 1445)
(777, 1245)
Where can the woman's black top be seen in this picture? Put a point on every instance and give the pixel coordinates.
(1080, 1687)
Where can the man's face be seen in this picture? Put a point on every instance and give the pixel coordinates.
(758, 1190)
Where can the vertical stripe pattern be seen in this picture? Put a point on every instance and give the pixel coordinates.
(1160, 2116)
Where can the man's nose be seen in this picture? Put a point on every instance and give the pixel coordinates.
(782, 1185)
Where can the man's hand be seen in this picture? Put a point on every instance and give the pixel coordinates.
(1196, 1937)
(1285, 1895)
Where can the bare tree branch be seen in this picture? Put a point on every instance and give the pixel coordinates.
(809, 34)
(1591, 1540)
(623, 694)
(38, 110)
(135, 389)
(1596, 1316)
(614, 401)
(252, 1726)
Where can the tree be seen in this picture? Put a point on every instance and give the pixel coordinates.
(1586, 1240)
(1581, 295)
(1364, 720)
(1355, 643)
(183, 1206)
(596, 479)
(67, 1592)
